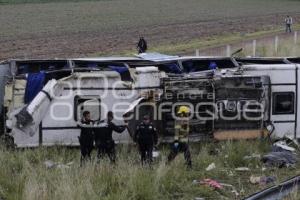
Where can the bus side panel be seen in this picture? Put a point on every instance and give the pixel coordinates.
(4, 75)
(284, 89)
(297, 125)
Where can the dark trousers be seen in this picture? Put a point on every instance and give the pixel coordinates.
(146, 150)
(181, 148)
(106, 148)
(86, 147)
(288, 28)
(141, 49)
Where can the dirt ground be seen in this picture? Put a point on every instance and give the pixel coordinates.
(81, 43)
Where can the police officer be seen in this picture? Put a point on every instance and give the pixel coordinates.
(146, 137)
(181, 136)
(103, 138)
(86, 138)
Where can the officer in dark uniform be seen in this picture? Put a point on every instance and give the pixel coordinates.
(86, 138)
(146, 137)
(142, 45)
(103, 138)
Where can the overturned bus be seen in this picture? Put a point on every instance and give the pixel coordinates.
(43, 100)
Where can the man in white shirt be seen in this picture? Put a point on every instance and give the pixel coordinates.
(288, 24)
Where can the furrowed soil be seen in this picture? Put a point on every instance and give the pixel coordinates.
(77, 29)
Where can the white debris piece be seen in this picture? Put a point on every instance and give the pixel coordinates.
(253, 156)
(211, 167)
(155, 154)
(283, 145)
(242, 169)
(50, 165)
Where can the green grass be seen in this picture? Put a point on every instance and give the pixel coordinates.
(286, 47)
(24, 176)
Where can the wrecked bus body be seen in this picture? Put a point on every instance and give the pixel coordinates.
(224, 106)
(51, 115)
(235, 100)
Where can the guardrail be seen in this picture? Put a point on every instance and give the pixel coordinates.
(279, 191)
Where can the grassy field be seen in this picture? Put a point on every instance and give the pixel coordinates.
(24, 176)
(81, 27)
(216, 46)
(287, 46)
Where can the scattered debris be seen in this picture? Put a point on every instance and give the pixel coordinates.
(279, 157)
(291, 142)
(211, 167)
(230, 173)
(262, 180)
(216, 185)
(209, 182)
(283, 145)
(50, 165)
(253, 156)
(226, 185)
(155, 154)
(235, 192)
(279, 191)
(64, 166)
(242, 169)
